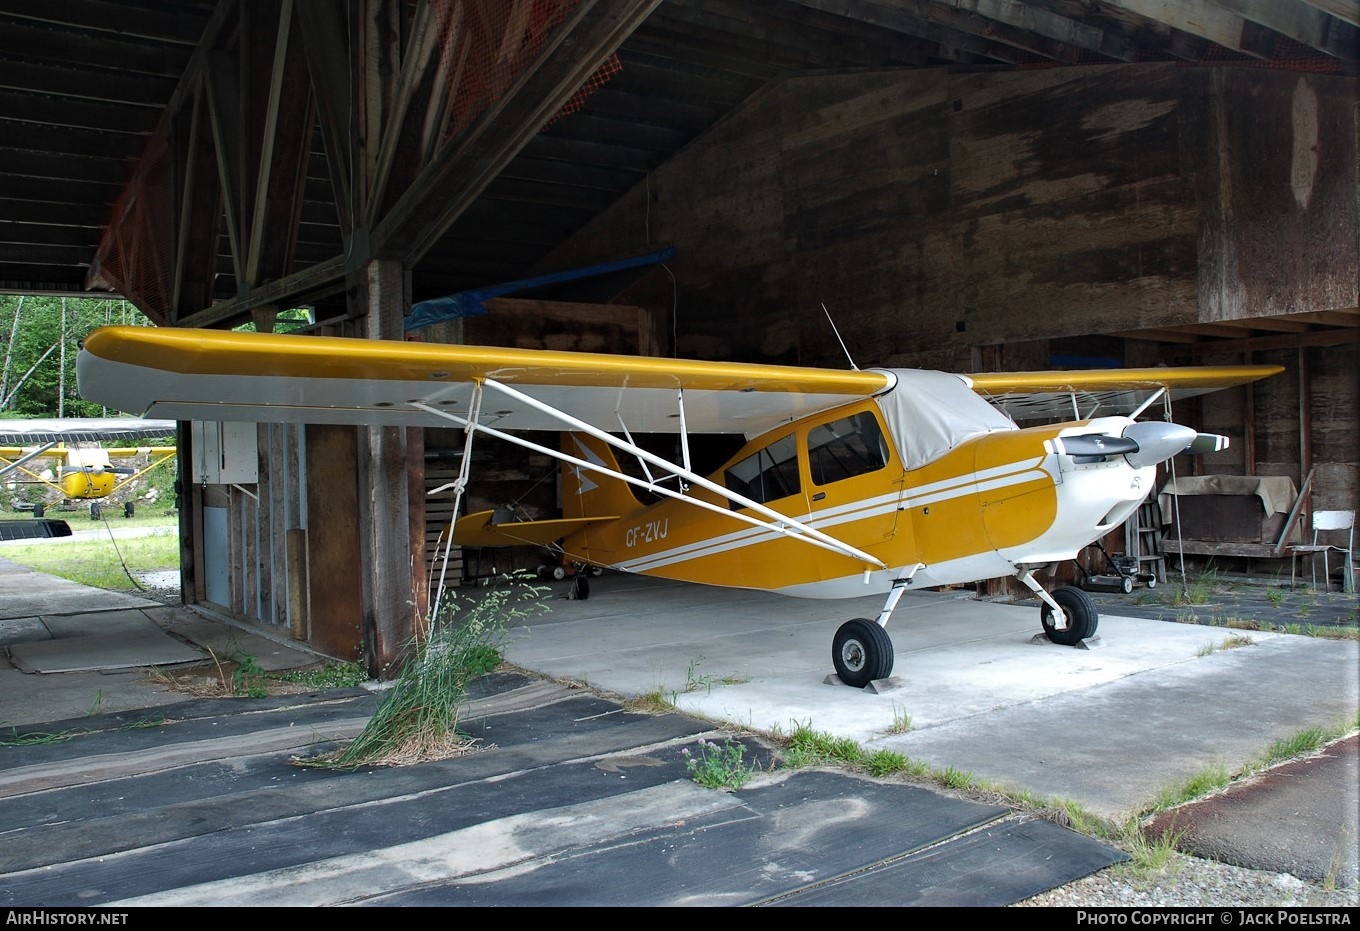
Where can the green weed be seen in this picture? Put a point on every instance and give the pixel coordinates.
(901, 722)
(807, 747)
(330, 676)
(883, 763)
(1207, 780)
(654, 702)
(248, 678)
(36, 738)
(717, 767)
(693, 681)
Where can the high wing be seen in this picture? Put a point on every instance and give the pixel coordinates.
(215, 375)
(27, 441)
(1082, 394)
(83, 429)
(185, 374)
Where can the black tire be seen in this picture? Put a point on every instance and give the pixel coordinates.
(1082, 616)
(1152, 581)
(95, 510)
(580, 587)
(1126, 584)
(38, 509)
(861, 651)
(129, 508)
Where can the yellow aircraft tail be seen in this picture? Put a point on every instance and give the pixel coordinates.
(586, 492)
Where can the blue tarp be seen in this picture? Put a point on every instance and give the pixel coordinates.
(469, 303)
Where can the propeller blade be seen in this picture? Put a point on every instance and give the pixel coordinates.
(1208, 443)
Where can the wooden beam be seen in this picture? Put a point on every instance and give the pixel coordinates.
(283, 144)
(222, 90)
(469, 161)
(1196, 17)
(1339, 337)
(407, 134)
(196, 192)
(322, 277)
(326, 43)
(1347, 11)
(910, 18)
(1052, 26)
(1301, 23)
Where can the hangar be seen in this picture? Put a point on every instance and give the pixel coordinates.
(970, 185)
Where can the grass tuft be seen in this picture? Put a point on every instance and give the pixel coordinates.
(417, 718)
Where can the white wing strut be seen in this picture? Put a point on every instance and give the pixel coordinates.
(775, 522)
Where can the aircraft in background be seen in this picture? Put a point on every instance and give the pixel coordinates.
(849, 483)
(75, 466)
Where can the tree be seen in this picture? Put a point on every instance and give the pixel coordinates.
(39, 374)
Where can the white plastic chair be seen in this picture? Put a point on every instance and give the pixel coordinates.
(1323, 522)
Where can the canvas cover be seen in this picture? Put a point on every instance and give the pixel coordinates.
(929, 413)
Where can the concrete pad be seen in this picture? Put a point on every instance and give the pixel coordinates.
(1150, 703)
(105, 640)
(22, 630)
(27, 699)
(227, 643)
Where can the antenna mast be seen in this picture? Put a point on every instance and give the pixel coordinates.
(838, 337)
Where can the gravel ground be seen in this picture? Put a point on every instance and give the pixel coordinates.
(1192, 882)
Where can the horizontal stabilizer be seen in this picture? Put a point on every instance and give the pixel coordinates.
(479, 530)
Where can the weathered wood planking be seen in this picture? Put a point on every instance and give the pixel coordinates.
(1280, 200)
(335, 587)
(936, 213)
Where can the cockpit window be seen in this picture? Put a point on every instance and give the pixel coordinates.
(845, 448)
(767, 475)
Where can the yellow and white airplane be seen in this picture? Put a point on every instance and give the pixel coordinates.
(849, 483)
(83, 471)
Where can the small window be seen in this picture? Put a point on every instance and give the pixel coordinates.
(845, 448)
(767, 475)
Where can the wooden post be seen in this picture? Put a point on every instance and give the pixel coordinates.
(390, 614)
(295, 544)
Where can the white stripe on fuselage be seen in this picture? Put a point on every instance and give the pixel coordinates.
(879, 505)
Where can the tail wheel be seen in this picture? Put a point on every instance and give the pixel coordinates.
(1082, 616)
(862, 651)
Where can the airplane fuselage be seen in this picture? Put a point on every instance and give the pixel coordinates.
(988, 508)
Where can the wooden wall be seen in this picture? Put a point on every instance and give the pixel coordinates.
(992, 221)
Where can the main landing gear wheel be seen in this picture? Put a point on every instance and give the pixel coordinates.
(862, 652)
(1082, 616)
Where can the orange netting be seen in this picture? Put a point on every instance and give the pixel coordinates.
(484, 45)
(134, 257)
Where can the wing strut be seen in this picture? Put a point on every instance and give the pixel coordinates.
(26, 457)
(460, 483)
(774, 521)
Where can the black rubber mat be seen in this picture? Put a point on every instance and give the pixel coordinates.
(569, 799)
